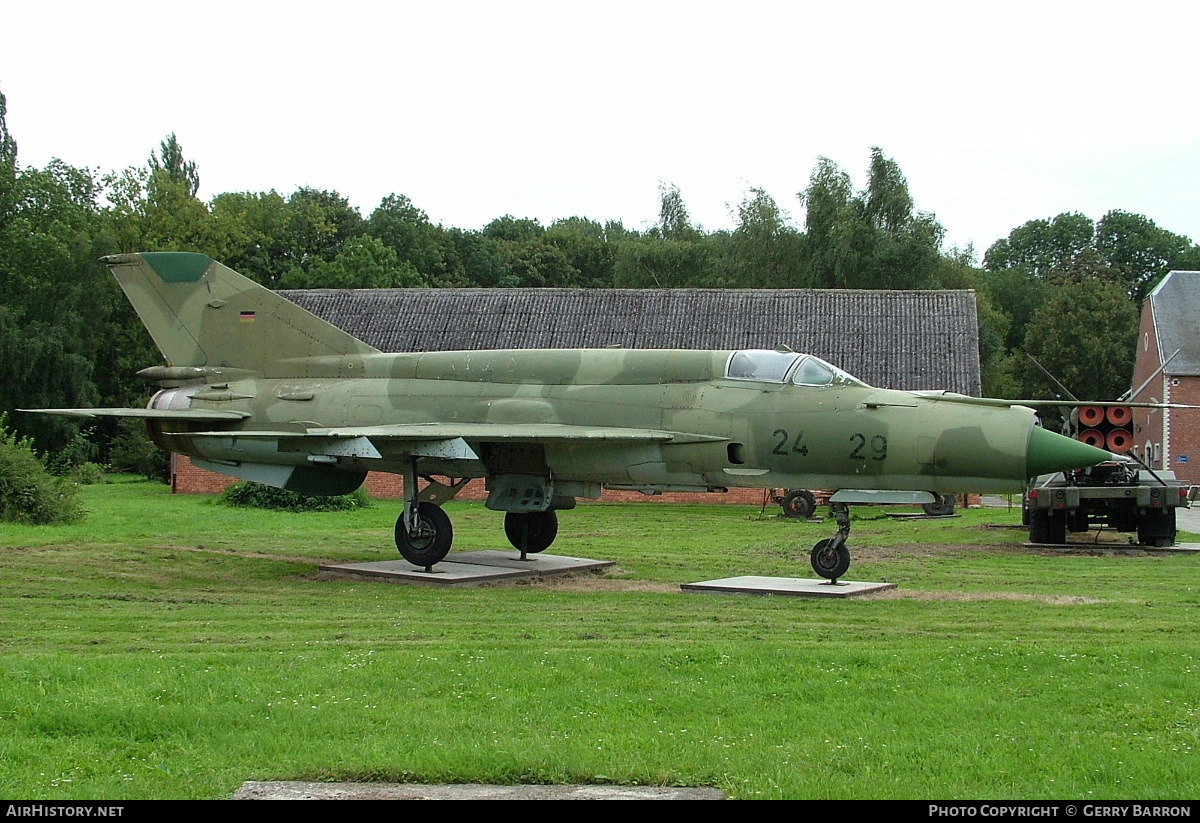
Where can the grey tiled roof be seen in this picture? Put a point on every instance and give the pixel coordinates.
(1176, 305)
(893, 339)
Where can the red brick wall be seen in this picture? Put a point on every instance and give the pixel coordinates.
(1183, 446)
(1147, 359)
(187, 479)
(1147, 423)
(1173, 435)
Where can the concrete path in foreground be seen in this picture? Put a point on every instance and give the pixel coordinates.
(295, 790)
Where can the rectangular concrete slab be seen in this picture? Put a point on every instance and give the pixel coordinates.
(297, 790)
(788, 586)
(540, 563)
(920, 516)
(465, 568)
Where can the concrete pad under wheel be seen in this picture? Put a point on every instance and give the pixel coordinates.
(920, 516)
(788, 586)
(466, 568)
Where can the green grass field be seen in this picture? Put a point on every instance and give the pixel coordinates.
(170, 647)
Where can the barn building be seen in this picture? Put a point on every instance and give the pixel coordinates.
(892, 339)
(1167, 370)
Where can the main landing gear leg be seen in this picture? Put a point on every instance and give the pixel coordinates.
(423, 530)
(830, 557)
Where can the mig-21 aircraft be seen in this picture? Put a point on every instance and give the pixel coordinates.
(258, 388)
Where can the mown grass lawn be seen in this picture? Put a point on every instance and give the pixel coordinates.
(169, 647)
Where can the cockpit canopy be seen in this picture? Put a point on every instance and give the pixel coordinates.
(766, 366)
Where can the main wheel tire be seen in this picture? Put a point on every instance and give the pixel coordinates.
(799, 503)
(943, 507)
(536, 530)
(829, 560)
(432, 544)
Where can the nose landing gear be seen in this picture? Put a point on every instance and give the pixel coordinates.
(830, 557)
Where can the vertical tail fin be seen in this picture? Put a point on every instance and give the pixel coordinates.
(201, 313)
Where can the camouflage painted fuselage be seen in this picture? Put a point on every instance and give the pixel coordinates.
(722, 432)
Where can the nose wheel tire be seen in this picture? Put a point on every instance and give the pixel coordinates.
(830, 558)
(430, 542)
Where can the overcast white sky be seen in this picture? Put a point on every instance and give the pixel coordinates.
(997, 113)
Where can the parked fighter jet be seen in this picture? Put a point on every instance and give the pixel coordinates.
(257, 388)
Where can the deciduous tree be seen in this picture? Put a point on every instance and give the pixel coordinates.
(403, 227)
(1084, 334)
(870, 240)
(363, 263)
(764, 250)
(170, 161)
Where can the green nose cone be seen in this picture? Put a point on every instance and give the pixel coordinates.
(1049, 452)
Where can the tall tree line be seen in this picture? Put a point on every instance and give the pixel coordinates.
(1064, 289)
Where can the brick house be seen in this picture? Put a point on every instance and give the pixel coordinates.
(892, 339)
(1167, 370)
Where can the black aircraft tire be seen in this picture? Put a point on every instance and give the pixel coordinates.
(829, 561)
(426, 550)
(799, 503)
(943, 507)
(542, 526)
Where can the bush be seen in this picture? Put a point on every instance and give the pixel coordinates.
(28, 493)
(258, 496)
(133, 452)
(88, 474)
(79, 451)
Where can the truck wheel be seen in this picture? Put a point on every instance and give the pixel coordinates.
(1047, 527)
(1077, 520)
(1156, 527)
(799, 503)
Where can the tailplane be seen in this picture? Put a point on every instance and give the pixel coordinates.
(201, 313)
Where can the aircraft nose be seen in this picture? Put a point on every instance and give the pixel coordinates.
(1049, 452)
